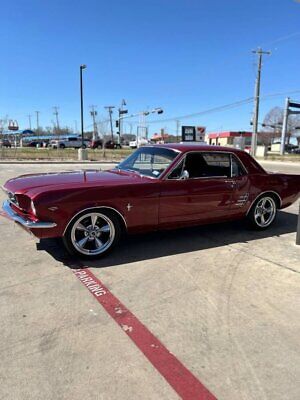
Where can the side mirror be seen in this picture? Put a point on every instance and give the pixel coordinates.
(185, 174)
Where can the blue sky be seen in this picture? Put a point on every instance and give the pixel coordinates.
(186, 56)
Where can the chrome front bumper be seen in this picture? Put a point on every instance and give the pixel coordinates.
(25, 222)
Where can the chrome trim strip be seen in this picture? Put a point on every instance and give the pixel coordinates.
(203, 151)
(25, 222)
(260, 194)
(93, 208)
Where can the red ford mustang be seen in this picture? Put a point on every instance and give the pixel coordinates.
(156, 187)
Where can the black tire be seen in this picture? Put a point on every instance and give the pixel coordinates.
(99, 146)
(83, 146)
(263, 212)
(62, 146)
(106, 230)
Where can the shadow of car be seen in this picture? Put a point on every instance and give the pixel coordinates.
(153, 245)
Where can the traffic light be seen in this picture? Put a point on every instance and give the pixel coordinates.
(117, 124)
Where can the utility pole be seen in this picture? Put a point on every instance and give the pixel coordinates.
(177, 130)
(110, 111)
(94, 114)
(55, 112)
(29, 119)
(37, 121)
(260, 53)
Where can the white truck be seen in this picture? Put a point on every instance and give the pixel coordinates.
(70, 142)
(138, 143)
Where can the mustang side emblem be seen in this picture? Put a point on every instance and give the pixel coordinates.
(129, 206)
(242, 200)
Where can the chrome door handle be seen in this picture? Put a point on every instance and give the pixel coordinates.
(232, 183)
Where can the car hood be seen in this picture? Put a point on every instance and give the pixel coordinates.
(71, 179)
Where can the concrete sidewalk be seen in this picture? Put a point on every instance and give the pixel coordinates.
(223, 299)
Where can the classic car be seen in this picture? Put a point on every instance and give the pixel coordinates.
(156, 187)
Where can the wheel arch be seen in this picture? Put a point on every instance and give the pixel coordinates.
(273, 194)
(120, 217)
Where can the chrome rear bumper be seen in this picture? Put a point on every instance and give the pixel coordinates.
(25, 222)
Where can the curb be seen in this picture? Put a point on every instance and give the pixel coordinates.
(56, 162)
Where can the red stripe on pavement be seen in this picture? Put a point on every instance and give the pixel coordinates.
(176, 374)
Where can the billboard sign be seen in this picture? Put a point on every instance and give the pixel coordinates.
(188, 133)
(200, 133)
(13, 125)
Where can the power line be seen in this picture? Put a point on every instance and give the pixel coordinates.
(224, 107)
(208, 111)
(282, 38)
(279, 94)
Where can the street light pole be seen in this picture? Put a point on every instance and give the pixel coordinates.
(82, 67)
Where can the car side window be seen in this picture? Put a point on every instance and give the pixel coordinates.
(206, 165)
(236, 167)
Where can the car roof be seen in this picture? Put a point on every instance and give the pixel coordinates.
(194, 146)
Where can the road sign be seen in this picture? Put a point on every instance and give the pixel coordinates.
(293, 104)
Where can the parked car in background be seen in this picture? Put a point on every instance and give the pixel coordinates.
(5, 143)
(156, 187)
(296, 151)
(134, 144)
(74, 142)
(33, 143)
(109, 144)
(289, 148)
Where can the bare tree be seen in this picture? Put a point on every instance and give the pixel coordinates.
(294, 128)
(272, 125)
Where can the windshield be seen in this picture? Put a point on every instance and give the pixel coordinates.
(149, 161)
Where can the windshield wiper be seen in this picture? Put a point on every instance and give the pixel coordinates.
(129, 170)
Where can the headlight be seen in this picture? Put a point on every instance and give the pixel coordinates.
(33, 208)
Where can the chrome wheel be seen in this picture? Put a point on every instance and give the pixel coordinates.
(92, 233)
(265, 212)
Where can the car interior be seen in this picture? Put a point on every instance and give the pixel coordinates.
(201, 165)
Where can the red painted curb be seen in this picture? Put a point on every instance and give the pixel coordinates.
(175, 373)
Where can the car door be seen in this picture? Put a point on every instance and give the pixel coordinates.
(202, 198)
(241, 186)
